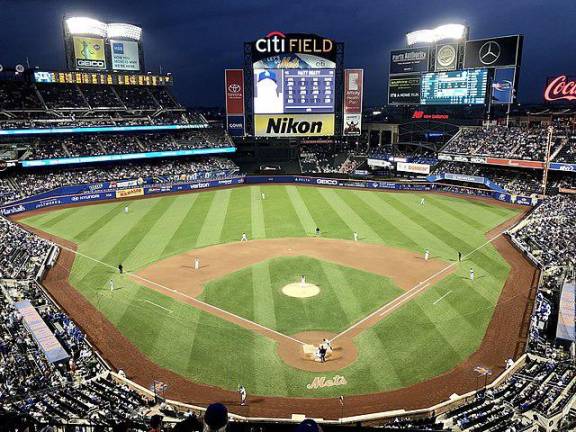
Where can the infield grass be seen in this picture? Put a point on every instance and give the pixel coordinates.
(418, 341)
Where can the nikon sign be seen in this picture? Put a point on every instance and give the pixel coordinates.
(294, 125)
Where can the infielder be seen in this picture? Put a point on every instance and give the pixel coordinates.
(426, 254)
(196, 263)
(355, 236)
(471, 274)
(242, 393)
(244, 237)
(111, 283)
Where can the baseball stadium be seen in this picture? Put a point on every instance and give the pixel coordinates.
(296, 261)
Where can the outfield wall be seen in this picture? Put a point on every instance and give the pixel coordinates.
(76, 194)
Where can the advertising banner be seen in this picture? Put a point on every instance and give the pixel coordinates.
(125, 55)
(404, 90)
(125, 193)
(561, 88)
(293, 47)
(89, 53)
(413, 168)
(464, 178)
(515, 163)
(379, 163)
(557, 166)
(294, 125)
(409, 60)
(353, 95)
(496, 52)
(446, 57)
(503, 86)
(235, 122)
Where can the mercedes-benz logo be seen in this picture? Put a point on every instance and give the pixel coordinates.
(489, 52)
(234, 88)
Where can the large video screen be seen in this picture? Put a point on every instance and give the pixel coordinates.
(125, 55)
(465, 87)
(404, 90)
(293, 91)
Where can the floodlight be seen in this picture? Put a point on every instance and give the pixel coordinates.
(122, 30)
(430, 36)
(86, 26)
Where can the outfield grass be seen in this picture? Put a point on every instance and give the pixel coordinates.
(418, 341)
(346, 295)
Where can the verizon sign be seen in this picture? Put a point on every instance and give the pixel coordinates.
(560, 88)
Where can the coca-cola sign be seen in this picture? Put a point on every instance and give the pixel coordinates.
(560, 88)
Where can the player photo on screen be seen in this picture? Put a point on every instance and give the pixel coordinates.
(268, 91)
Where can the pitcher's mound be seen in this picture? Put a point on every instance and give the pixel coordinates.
(301, 290)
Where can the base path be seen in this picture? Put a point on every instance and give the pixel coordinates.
(505, 338)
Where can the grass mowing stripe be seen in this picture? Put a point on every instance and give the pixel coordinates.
(346, 212)
(187, 232)
(238, 216)
(346, 298)
(212, 226)
(367, 208)
(306, 219)
(263, 297)
(329, 222)
(257, 212)
(280, 218)
(157, 237)
(473, 222)
(98, 224)
(60, 217)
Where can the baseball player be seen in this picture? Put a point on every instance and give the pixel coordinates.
(263, 196)
(459, 256)
(242, 393)
(426, 254)
(111, 283)
(244, 237)
(126, 209)
(422, 201)
(322, 352)
(196, 263)
(471, 274)
(120, 268)
(302, 281)
(317, 232)
(327, 344)
(355, 236)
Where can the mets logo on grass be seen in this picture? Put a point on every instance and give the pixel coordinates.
(294, 125)
(322, 381)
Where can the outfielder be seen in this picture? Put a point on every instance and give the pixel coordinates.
(471, 274)
(244, 237)
(422, 201)
(426, 254)
(263, 196)
(242, 393)
(111, 283)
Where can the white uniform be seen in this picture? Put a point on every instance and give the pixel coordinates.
(242, 392)
(244, 237)
(471, 274)
(263, 196)
(426, 254)
(111, 283)
(303, 281)
(422, 201)
(196, 263)
(126, 209)
(355, 236)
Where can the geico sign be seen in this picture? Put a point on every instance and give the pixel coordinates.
(100, 64)
(278, 42)
(288, 125)
(327, 182)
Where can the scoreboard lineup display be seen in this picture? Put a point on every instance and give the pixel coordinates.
(455, 87)
(309, 90)
(101, 78)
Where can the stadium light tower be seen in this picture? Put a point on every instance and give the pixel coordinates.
(86, 26)
(455, 32)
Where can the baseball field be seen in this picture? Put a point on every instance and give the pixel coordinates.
(394, 318)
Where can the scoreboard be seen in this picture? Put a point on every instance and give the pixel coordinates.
(309, 90)
(455, 87)
(102, 78)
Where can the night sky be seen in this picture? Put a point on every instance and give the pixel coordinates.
(197, 40)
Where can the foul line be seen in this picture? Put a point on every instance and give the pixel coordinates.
(193, 299)
(406, 296)
(157, 305)
(441, 297)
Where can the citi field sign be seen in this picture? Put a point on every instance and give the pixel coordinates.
(278, 43)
